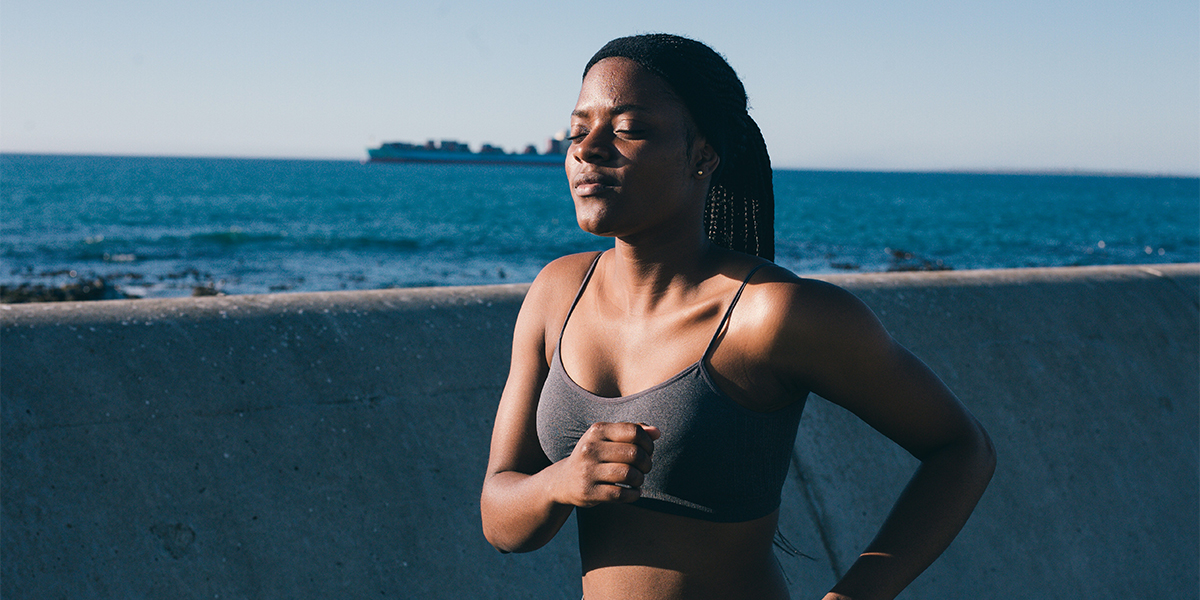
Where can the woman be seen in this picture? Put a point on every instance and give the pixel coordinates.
(655, 388)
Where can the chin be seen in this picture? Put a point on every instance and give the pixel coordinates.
(596, 229)
(591, 218)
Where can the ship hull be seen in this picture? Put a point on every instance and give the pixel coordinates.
(388, 155)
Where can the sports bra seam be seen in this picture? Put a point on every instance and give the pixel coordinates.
(705, 374)
(594, 397)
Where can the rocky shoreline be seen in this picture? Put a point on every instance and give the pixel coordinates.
(86, 288)
(95, 289)
(132, 285)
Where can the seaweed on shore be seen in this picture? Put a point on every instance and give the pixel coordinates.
(902, 260)
(94, 289)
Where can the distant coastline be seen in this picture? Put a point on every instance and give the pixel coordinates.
(453, 151)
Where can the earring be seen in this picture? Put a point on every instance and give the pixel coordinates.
(700, 173)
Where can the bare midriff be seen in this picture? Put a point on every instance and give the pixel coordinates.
(630, 553)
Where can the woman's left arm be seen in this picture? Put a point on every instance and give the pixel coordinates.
(833, 345)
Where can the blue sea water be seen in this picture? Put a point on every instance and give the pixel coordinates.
(159, 227)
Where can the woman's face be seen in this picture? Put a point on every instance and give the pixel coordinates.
(630, 165)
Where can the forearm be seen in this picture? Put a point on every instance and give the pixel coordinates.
(925, 519)
(519, 513)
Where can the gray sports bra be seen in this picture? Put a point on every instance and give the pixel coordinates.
(716, 460)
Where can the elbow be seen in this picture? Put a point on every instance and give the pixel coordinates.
(516, 549)
(500, 533)
(493, 532)
(971, 453)
(494, 537)
(987, 452)
(496, 542)
(504, 544)
(977, 455)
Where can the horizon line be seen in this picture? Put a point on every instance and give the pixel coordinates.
(1046, 171)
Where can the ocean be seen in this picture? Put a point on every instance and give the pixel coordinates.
(160, 227)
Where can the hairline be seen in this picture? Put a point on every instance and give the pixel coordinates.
(691, 129)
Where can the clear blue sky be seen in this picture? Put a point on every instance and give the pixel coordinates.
(1106, 85)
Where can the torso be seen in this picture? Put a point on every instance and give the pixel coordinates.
(634, 552)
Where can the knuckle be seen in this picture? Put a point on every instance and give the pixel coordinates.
(586, 447)
(625, 474)
(611, 493)
(631, 430)
(636, 478)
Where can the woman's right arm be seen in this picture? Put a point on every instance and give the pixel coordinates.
(525, 498)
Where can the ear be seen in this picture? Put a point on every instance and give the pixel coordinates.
(704, 160)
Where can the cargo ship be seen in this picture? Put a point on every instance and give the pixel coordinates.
(452, 151)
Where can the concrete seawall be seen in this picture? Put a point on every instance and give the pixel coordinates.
(332, 445)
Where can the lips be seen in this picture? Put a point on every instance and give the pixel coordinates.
(586, 184)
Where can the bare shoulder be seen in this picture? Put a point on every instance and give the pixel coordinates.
(787, 304)
(805, 330)
(571, 267)
(558, 280)
(549, 299)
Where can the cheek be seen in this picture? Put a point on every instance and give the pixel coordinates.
(663, 185)
(666, 168)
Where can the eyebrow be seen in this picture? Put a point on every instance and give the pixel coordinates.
(617, 110)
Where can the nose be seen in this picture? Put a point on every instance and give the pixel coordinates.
(593, 148)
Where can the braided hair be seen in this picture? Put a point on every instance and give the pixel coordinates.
(739, 211)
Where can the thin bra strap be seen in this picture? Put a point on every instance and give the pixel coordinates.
(729, 311)
(579, 294)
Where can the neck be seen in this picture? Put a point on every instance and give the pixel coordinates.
(644, 276)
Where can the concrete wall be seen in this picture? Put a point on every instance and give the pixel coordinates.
(332, 445)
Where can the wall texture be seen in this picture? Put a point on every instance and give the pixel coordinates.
(333, 444)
